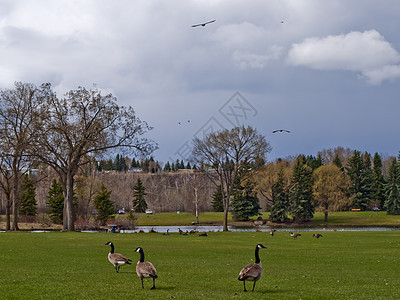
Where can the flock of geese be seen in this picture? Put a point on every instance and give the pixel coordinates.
(145, 269)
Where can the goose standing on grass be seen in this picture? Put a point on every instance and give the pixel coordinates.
(145, 269)
(317, 235)
(117, 259)
(252, 272)
(295, 235)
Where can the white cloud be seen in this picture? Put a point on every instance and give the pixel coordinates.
(248, 60)
(365, 52)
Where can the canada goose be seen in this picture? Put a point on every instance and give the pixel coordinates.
(117, 259)
(317, 235)
(184, 233)
(166, 233)
(180, 231)
(295, 235)
(272, 232)
(252, 272)
(203, 234)
(145, 269)
(281, 130)
(203, 24)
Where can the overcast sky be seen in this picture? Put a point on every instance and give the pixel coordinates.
(328, 71)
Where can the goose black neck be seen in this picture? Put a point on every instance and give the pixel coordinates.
(141, 255)
(257, 256)
(112, 248)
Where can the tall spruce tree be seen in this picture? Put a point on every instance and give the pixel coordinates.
(245, 203)
(167, 167)
(27, 197)
(378, 183)
(392, 189)
(301, 194)
(360, 172)
(280, 198)
(217, 203)
(139, 203)
(338, 162)
(55, 202)
(104, 205)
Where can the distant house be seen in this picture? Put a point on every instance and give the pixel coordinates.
(135, 170)
(149, 211)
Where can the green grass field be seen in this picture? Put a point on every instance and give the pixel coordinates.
(69, 265)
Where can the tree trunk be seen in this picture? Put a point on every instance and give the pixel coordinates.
(8, 213)
(15, 202)
(226, 211)
(196, 202)
(326, 216)
(68, 218)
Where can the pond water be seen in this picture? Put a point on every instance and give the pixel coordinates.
(202, 228)
(174, 229)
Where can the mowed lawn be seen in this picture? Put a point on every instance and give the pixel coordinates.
(63, 265)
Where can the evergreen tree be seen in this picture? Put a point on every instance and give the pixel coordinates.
(217, 200)
(135, 163)
(188, 166)
(280, 198)
(139, 203)
(392, 189)
(103, 204)
(360, 172)
(167, 167)
(117, 163)
(300, 194)
(313, 162)
(337, 161)
(378, 183)
(245, 203)
(27, 197)
(55, 202)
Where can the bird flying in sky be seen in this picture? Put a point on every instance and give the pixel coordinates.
(203, 24)
(281, 130)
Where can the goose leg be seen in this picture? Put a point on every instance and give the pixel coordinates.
(254, 284)
(116, 269)
(142, 283)
(244, 285)
(154, 284)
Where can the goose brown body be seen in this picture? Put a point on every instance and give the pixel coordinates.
(252, 272)
(117, 259)
(145, 269)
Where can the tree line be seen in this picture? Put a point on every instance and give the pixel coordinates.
(63, 133)
(71, 135)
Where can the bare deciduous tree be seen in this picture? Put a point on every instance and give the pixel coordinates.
(18, 114)
(224, 152)
(80, 126)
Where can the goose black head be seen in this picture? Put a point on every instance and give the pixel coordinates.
(259, 246)
(138, 249)
(109, 243)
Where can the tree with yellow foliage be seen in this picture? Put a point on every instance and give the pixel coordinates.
(330, 189)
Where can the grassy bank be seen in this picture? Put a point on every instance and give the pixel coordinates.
(341, 265)
(364, 218)
(349, 219)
